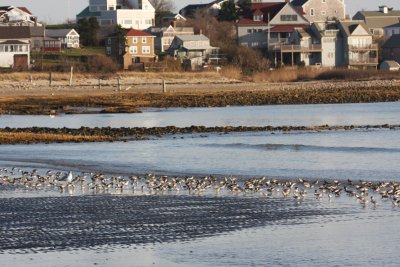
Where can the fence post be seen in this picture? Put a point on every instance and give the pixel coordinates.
(164, 86)
(99, 83)
(30, 79)
(71, 76)
(50, 78)
(119, 83)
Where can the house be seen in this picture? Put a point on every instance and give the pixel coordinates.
(37, 38)
(195, 50)
(391, 30)
(16, 16)
(335, 44)
(51, 45)
(268, 24)
(14, 47)
(376, 21)
(137, 14)
(138, 48)
(389, 65)
(165, 35)
(69, 37)
(172, 19)
(391, 48)
(213, 7)
(358, 46)
(321, 10)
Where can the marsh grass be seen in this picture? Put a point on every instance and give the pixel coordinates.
(28, 138)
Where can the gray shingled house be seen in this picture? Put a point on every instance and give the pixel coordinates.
(391, 48)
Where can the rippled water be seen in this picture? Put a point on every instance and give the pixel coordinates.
(47, 229)
(293, 115)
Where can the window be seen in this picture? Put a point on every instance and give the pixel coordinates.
(133, 49)
(289, 18)
(135, 40)
(144, 40)
(260, 30)
(249, 30)
(258, 18)
(109, 41)
(323, 13)
(108, 50)
(312, 12)
(1, 48)
(128, 22)
(145, 49)
(323, 1)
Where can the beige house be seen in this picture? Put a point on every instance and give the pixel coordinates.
(139, 48)
(321, 10)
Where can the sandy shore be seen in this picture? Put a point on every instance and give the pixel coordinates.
(87, 96)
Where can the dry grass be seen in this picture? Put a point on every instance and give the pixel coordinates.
(286, 75)
(231, 72)
(28, 138)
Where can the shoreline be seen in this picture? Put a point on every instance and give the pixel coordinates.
(41, 99)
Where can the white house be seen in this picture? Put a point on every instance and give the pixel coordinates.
(69, 37)
(138, 14)
(17, 16)
(14, 47)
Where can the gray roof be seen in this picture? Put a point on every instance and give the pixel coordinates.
(397, 25)
(198, 37)
(58, 32)
(392, 42)
(13, 42)
(14, 32)
(37, 31)
(377, 19)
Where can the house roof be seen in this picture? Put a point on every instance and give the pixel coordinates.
(87, 13)
(8, 8)
(58, 32)
(268, 10)
(13, 42)
(197, 37)
(392, 42)
(350, 26)
(10, 33)
(299, 2)
(287, 28)
(377, 19)
(137, 33)
(37, 31)
(396, 25)
(391, 63)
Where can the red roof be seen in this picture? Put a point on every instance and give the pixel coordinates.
(137, 33)
(25, 10)
(268, 10)
(287, 28)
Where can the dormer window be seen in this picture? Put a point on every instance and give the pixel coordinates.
(258, 17)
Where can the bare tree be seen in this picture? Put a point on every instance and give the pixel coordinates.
(162, 7)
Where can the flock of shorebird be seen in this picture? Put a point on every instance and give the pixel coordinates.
(366, 193)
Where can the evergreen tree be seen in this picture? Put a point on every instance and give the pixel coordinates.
(228, 11)
(88, 30)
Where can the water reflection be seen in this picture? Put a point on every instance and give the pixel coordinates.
(294, 115)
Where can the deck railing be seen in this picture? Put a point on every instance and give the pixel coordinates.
(296, 48)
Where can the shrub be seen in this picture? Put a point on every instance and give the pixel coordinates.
(102, 64)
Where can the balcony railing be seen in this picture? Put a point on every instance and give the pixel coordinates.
(297, 48)
(363, 47)
(361, 61)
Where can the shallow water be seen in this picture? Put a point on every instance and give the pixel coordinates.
(47, 228)
(366, 155)
(293, 115)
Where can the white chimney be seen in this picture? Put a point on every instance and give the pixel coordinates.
(384, 9)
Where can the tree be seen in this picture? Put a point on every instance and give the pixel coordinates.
(228, 11)
(244, 5)
(162, 7)
(88, 30)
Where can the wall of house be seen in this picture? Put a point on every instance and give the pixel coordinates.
(288, 10)
(329, 51)
(332, 9)
(253, 36)
(136, 49)
(7, 53)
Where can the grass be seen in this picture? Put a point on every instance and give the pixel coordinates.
(30, 138)
(84, 51)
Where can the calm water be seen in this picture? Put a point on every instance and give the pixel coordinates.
(294, 115)
(341, 234)
(367, 155)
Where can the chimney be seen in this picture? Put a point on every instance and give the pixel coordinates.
(384, 9)
(173, 23)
